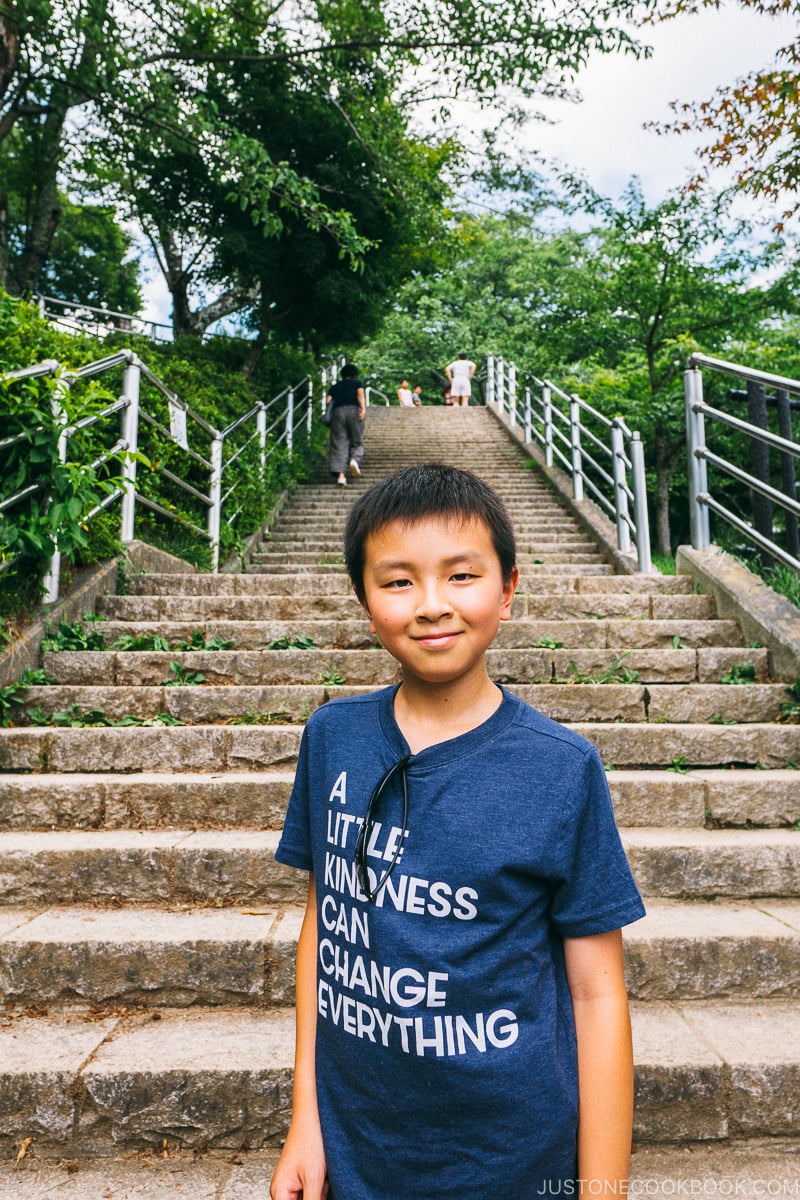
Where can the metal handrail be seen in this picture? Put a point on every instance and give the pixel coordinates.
(293, 406)
(763, 493)
(542, 408)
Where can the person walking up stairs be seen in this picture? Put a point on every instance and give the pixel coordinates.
(147, 936)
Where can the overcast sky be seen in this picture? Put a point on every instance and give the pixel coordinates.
(692, 55)
(603, 136)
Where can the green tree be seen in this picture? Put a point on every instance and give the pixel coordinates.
(151, 64)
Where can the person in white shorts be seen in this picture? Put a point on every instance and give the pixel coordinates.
(404, 396)
(460, 373)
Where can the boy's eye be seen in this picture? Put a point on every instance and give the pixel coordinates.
(398, 583)
(462, 576)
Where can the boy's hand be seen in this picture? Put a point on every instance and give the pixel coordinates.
(300, 1172)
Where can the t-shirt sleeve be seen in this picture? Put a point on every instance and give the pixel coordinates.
(294, 847)
(596, 891)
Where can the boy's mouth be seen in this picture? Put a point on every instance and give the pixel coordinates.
(438, 639)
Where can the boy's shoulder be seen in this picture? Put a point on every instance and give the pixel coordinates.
(534, 725)
(340, 709)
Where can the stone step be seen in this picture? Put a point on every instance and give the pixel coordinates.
(321, 592)
(165, 800)
(208, 867)
(221, 1077)
(553, 566)
(695, 863)
(750, 1170)
(346, 629)
(295, 560)
(698, 951)
(245, 956)
(507, 665)
(274, 744)
(146, 867)
(248, 799)
(209, 704)
(149, 956)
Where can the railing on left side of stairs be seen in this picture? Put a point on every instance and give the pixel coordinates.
(601, 454)
(205, 458)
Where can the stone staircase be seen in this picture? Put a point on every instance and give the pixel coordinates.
(147, 936)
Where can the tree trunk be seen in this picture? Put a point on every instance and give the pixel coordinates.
(178, 281)
(24, 275)
(9, 48)
(664, 469)
(3, 240)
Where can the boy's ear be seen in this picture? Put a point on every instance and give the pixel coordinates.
(509, 589)
(362, 600)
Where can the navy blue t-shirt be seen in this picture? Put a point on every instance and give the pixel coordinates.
(445, 1057)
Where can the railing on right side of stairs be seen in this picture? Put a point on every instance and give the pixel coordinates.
(601, 454)
(767, 396)
(204, 458)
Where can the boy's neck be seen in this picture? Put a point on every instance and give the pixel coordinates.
(428, 714)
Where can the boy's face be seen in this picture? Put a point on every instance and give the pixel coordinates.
(434, 594)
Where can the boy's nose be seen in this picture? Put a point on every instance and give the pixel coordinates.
(433, 601)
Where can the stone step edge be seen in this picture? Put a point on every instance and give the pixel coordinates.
(703, 1072)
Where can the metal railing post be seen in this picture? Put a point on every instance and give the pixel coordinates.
(500, 386)
(290, 422)
(215, 496)
(698, 472)
(640, 514)
(131, 380)
(490, 381)
(547, 406)
(528, 427)
(52, 579)
(310, 405)
(620, 494)
(261, 430)
(575, 443)
(512, 392)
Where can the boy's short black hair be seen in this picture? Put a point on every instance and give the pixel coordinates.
(432, 490)
(349, 371)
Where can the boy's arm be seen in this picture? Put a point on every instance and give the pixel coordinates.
(301, 1167)
(605, 1062)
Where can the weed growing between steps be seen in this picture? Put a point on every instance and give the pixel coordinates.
(72, 637)
(11, 699)
(291, 643)
(183, 677)
(741, 673)
(790, 711)
(615, 672)
(93, 718)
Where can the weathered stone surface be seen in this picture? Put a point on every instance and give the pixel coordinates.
(699, 951)
(715, 661)
(586, 701)
(753, 798)
(680, 1079)
(657, 797)
(210, 1079)
(707, 701)
(40, 1060)
(690, 745)
(718, 862)
(137, 956)
(761, 1048)
(149, 799)
(662, 632)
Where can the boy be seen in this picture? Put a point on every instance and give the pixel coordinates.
(462, 1022)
